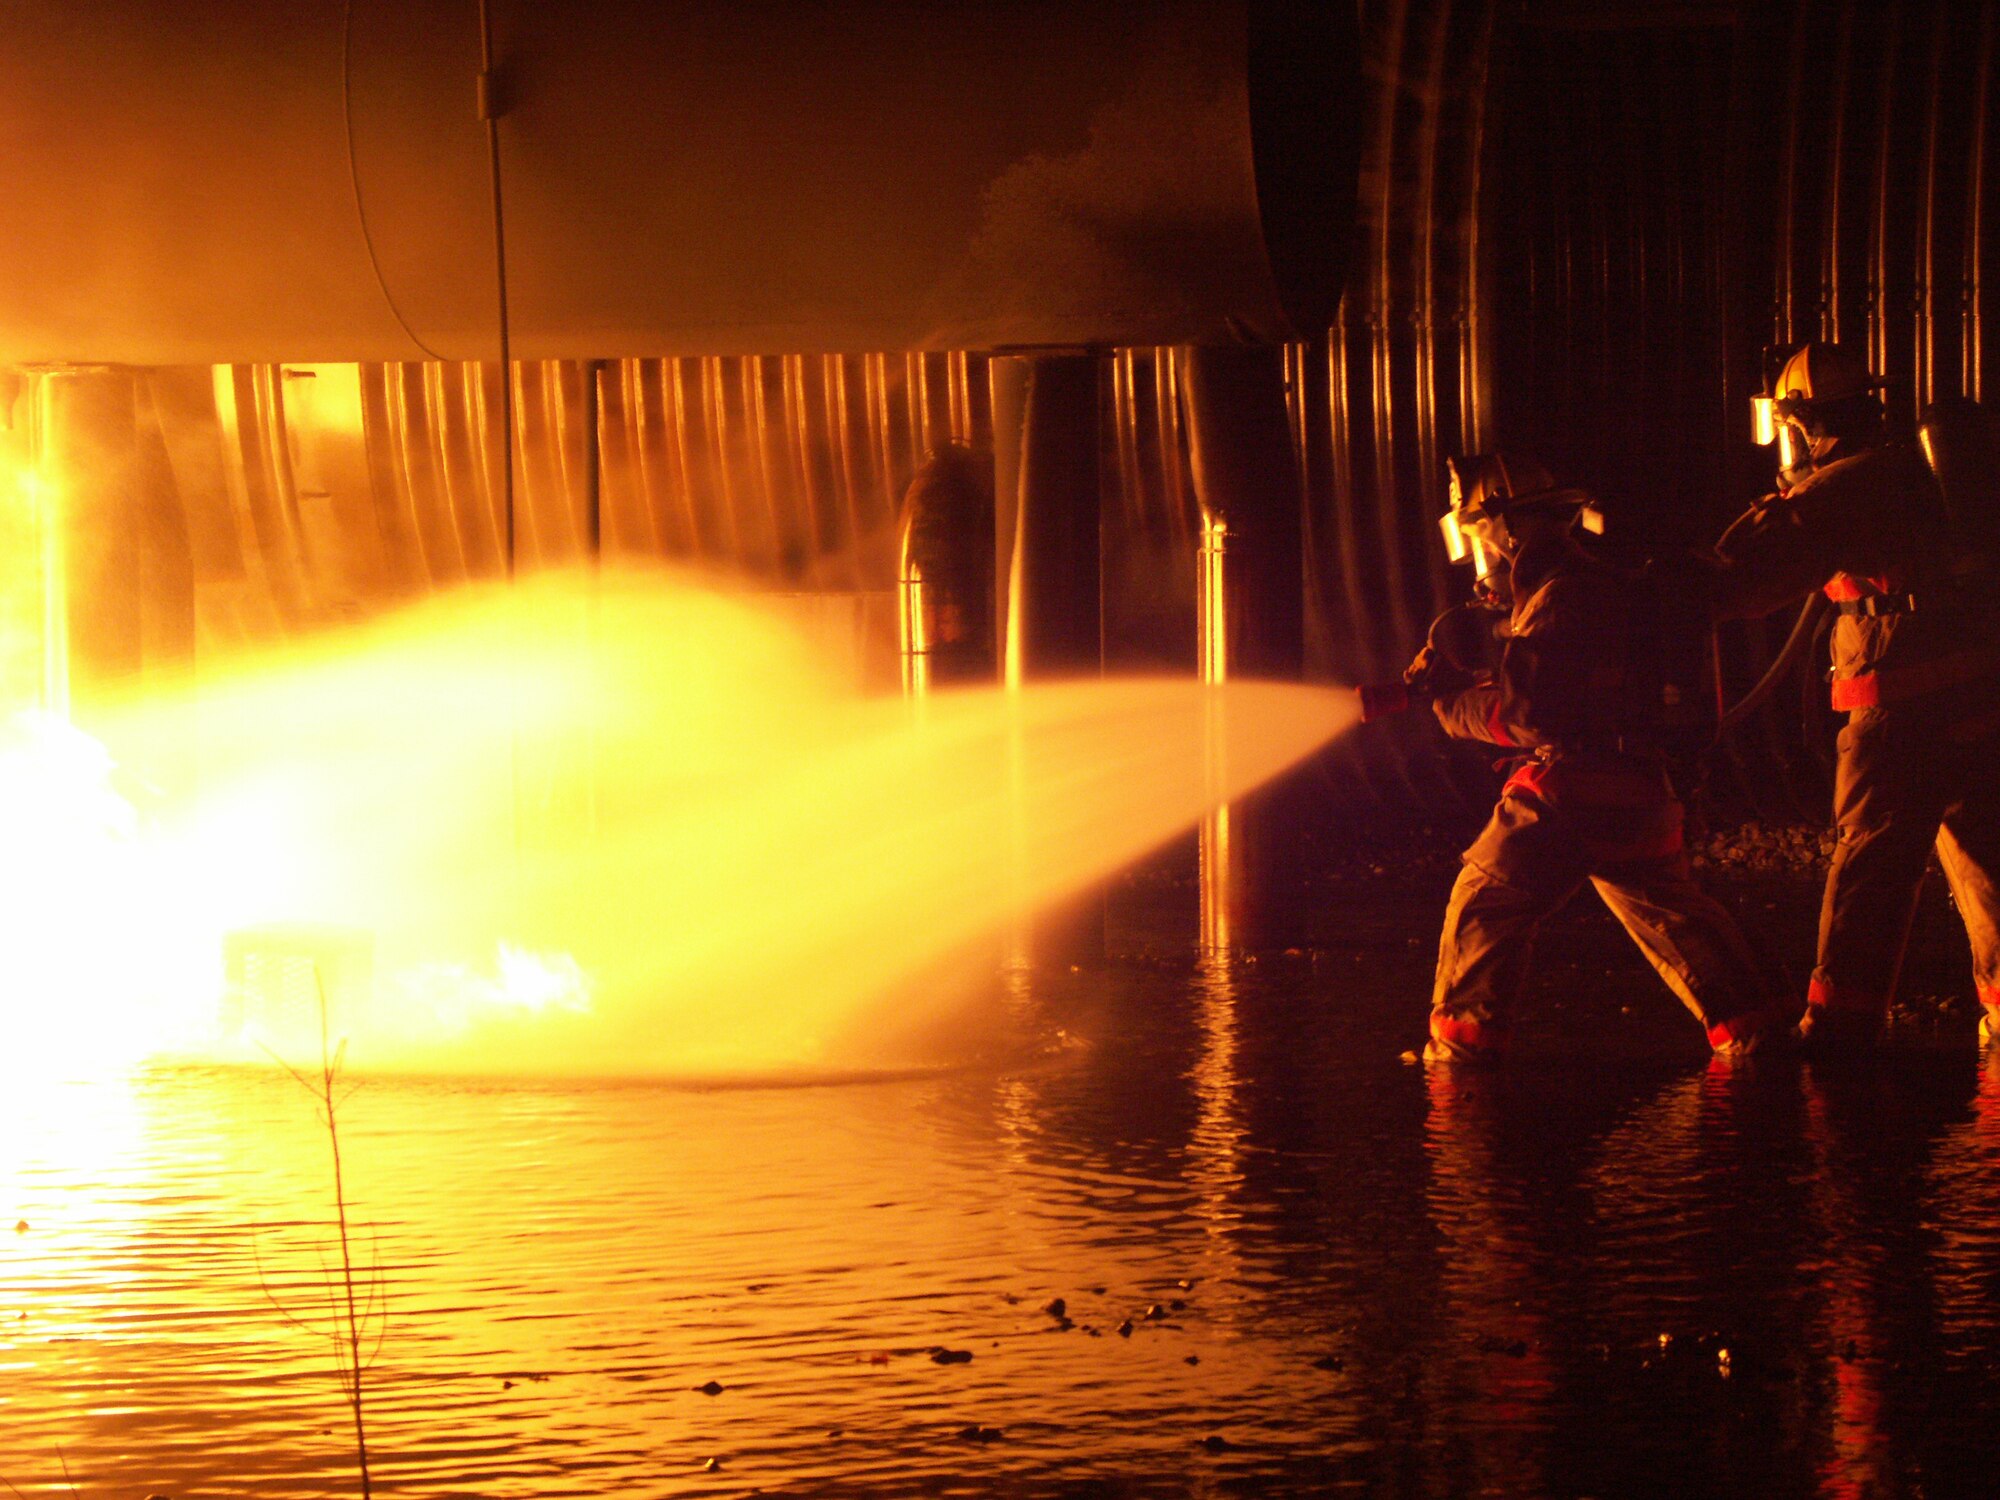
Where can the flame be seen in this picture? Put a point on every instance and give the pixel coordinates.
(618, 823)
(81, 932)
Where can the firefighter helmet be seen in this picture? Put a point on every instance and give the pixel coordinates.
(1812, 379)
(1487, 488)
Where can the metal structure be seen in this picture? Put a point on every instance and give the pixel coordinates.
(1576, 227)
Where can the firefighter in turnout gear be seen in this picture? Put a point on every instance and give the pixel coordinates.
(1916, 669)
(1547, 666)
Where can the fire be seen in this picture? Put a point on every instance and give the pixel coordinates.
(83, 936)
(621, 823)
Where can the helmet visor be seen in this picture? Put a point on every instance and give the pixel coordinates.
(1792, 447)
(1457, 542)
(1465, 540)
(1763, 421)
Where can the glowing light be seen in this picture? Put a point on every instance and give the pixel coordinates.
(625, 823)
(80, 928)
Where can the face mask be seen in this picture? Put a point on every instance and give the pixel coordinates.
(1768, 426)
(1799, 455)
(1470, 536)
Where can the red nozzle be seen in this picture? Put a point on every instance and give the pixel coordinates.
(1380, 700)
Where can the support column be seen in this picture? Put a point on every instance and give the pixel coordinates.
(946, 572)
(1048, 614)
(1252, 586)
(90, 468)
(33, 629)
(1046, 516)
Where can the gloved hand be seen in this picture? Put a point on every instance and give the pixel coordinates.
(1423, 679)
(1467, 639)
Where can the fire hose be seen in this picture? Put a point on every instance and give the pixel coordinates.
(1803, 630)
(1381, 700)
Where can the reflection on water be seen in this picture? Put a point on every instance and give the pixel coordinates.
(1356, 1275)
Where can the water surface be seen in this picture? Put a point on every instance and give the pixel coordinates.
(1351, 1275)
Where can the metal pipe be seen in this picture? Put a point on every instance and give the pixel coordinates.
(1252, 594)
(491, 107)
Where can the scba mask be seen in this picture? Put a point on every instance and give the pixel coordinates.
(1802, 382)
(1489, 488)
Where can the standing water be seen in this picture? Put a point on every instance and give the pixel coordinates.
(1222, 1242)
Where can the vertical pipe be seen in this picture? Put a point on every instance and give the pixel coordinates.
(1046, 488)
(882, 433)
(1926, 260)
(1046, 519)
(1474, 353)
(682, 479)
(1423, 320)
(1878, 229)
(491, 107)
(648, 413)
(1252, 622)
(775, 550)
(593, 461)
(720, 459)
(805, 458)
(1219, 855)
(912, 635)
(917, 387)
(848, 470)
(1971, 304)
(1340, 418)
(1246, 483)
(1388, 512)
(1167, 416)
(1829, 278)
(1139, 513)
(960, 368)
(89, 439)
(47, 500)
(1786, 321)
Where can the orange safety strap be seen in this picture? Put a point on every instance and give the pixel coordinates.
(1742, 1028)
(1821, 995)
(1474, 1036)
(1845, 588)
(1895, 684)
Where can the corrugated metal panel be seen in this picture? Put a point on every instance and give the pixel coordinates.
(1400, 382)
(1576, 236)
(1680, 195)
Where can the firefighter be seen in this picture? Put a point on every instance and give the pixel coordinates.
(1546, 662)
(1916, 669)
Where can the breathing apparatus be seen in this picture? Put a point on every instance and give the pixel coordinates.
(1490, 494)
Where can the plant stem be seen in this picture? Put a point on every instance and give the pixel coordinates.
(327, 1072)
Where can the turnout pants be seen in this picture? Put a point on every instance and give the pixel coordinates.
(1907, 781)
(1557, 827)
